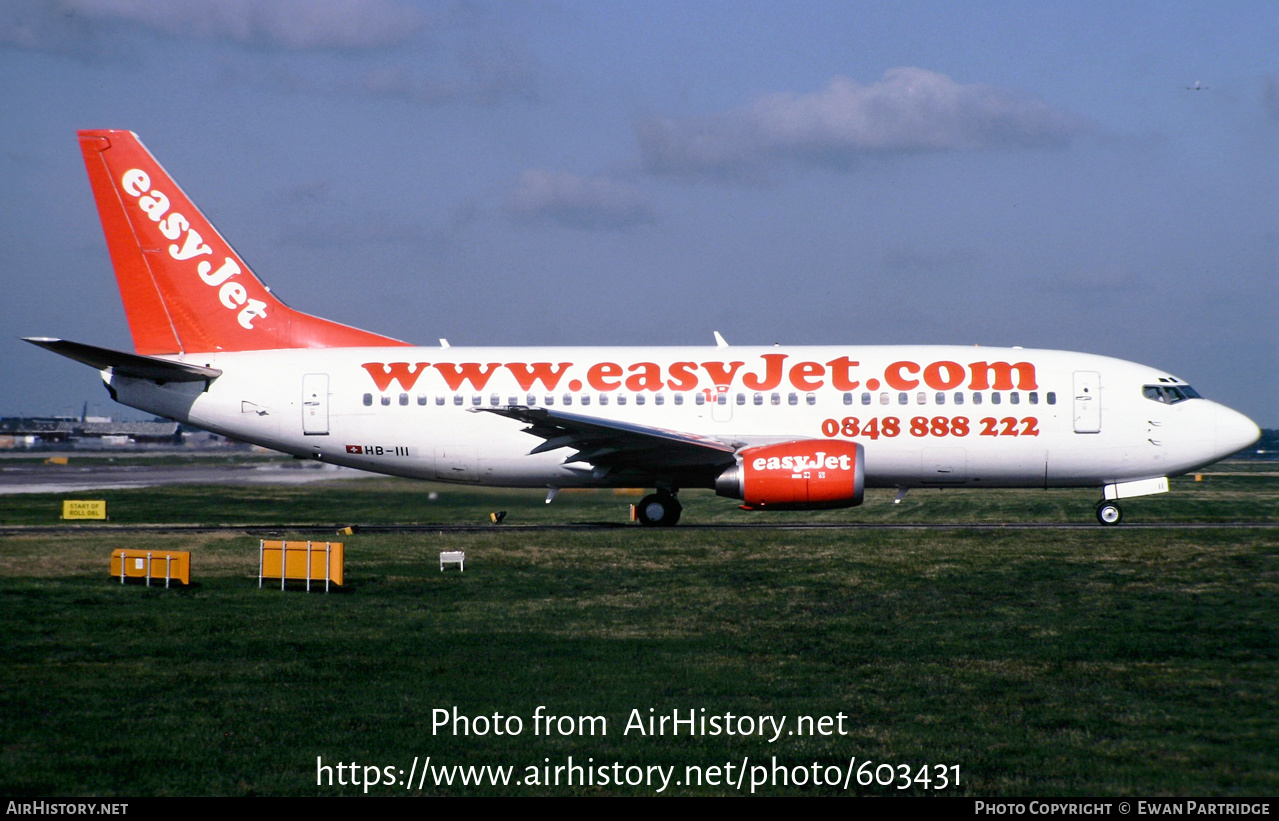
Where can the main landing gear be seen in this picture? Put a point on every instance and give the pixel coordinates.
(660, 509)
(1108, 513)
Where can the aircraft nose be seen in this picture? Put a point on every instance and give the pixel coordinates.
(1233, 431)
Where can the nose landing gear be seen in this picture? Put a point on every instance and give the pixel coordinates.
(1108, 513)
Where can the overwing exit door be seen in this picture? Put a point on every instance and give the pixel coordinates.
(315, 404)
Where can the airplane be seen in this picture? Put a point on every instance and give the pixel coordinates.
(774, 427)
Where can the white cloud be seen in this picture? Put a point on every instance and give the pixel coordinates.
(903, 258)
(44, 25)
(93, 28)
(454, 53)
(909, 109)
(496, 74)
(578, 202)
(316, 217)
(288, 24)
(1270, 95)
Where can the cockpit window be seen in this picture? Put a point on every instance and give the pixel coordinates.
(1169, 394)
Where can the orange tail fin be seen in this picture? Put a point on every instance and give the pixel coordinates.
(185, 289)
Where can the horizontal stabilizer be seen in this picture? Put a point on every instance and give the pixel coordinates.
(127, 364)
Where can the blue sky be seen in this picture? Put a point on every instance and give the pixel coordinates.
(646, 173)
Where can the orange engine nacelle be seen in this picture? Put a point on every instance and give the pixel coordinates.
(810, 473)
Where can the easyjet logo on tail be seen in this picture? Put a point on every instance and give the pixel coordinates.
(189, 245)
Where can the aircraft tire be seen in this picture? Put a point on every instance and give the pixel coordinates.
(659, 510)
(1108, 513)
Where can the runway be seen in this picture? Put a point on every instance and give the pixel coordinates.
(89, 472)
(333, 529)
(97, 472)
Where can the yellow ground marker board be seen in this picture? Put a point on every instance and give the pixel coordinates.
(84, 509)
(170, 565)
(299, 561)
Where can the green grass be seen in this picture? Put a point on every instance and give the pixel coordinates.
(1104, 661)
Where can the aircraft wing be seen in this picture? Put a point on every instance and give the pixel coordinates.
(126, 364)
(611, 446)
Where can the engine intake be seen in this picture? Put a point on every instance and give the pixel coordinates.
(802, 475)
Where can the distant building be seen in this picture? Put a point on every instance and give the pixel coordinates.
(91, 432)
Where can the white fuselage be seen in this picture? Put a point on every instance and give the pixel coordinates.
(926, 415)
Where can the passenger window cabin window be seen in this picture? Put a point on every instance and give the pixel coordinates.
(848, 399)
(1014, 398)
(477, 400)
(921, 398)
(568, 399)
(494, 400)
(811, 399)
(792, 399)
(903, 398)
(741, 399)
(550, 399)
(1051, 396)
(532, 399)
(386, 401)
(941, 398)
(368, 400)
(759, 399)
(439, 400)
(994, 397)
(721, 399)
(404, 399)
(603, 399)
(421, 399)
(621, 399)
(679, 399)
(660, 399)
(865, 398)
(776, 399)
(883, 398)
(586, 399)
(959, 398)
(976, 398)
(701, 399)
(457, 399)
(1034, 397)
(513, 400)
(639, 398)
